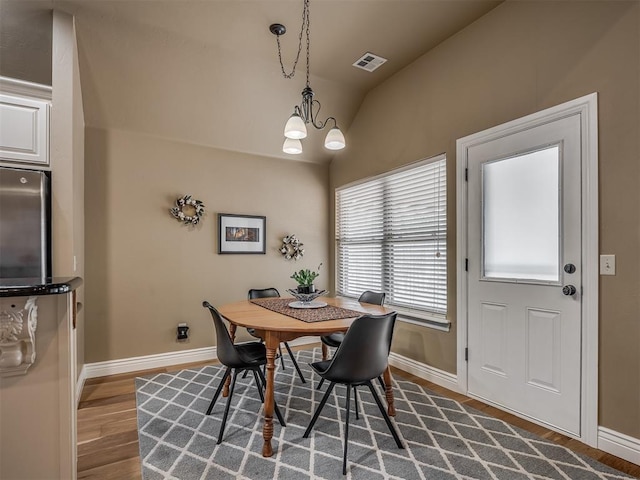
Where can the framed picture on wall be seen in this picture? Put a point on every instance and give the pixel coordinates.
(241, 233)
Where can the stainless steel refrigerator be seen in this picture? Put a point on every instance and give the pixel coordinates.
(25, 225)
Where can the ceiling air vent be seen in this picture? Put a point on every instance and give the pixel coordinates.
(369, 62)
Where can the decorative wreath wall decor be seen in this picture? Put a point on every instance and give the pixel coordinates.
(291, 248)
(188, 210)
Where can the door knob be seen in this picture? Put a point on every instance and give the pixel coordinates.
(569, 290)
(570, 268)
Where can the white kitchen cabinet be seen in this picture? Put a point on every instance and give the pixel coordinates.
(24, 129)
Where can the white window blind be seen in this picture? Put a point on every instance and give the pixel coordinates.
(391, 236)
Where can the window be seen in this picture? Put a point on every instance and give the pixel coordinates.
(520, 220)
(391, 236)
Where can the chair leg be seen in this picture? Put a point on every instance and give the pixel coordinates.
(226, 409)
(244, 375)
(258, 384)
(275, 404)
(325, 352)
(320, 384)
(381, 381)
(218, 390)
(384, 414)
(346, 428)
(318, 410)
(295, 363)
(281, 356)
(355, 399)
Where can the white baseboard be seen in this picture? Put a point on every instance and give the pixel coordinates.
(619, 444)
(134, 364)
(422, 370)
(80, 384)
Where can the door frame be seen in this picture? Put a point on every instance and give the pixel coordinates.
(587, 108)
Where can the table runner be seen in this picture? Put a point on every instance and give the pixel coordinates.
(309, 315)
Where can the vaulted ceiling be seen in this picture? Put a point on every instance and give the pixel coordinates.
(207, 72)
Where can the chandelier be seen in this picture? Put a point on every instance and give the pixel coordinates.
(309, 108)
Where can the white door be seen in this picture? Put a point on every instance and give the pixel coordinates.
(524, 272)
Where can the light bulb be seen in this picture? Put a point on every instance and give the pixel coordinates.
(334, 139)
(292, 146)
(295, 127)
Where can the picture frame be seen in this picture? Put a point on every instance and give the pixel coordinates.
(241, 234)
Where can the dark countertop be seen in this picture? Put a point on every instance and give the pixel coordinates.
(24, 287)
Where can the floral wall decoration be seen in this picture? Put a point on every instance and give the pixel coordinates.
(188, 210)
(291, 248)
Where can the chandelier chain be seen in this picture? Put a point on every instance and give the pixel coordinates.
(306, 7)
(304, 26)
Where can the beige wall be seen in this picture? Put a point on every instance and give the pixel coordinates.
(520, 58)
(146, 272)
(26, 40)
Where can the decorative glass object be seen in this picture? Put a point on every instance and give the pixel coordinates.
(306, 298)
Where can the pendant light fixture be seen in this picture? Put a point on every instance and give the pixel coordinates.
(307, 112)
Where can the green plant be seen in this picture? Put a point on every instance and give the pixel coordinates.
(306, 277)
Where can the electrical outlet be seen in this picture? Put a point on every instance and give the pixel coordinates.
(182, 332)
(607, 264)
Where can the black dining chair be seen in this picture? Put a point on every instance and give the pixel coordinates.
(361, 357)
(335, 339)
(249, 356)
(273, 293)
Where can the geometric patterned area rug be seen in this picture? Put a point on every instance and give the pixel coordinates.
(444, 439)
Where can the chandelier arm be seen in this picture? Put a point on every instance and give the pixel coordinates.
(335, 122)
(319, 124)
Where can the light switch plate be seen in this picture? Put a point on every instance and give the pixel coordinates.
(607, 264)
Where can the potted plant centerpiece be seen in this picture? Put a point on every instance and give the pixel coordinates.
(305, 278)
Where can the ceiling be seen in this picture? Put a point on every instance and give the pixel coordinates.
(207, 71)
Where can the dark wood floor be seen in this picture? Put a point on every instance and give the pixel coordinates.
(108, 437)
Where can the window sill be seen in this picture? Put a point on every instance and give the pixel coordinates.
(435, 322)
(424, 320)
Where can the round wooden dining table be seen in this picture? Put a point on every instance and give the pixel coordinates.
(276, 327)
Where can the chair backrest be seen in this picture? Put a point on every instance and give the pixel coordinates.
(364, 352)
(376, 298)
(225, 350)
(263, 293)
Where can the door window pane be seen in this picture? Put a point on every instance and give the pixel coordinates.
(521, 224)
